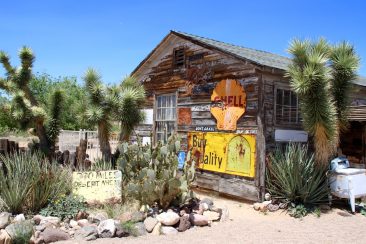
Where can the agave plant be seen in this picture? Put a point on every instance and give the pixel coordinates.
(293, 175)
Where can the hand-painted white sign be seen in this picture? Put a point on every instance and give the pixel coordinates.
(291, 136)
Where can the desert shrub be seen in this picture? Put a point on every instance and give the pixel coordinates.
(28, 181)
(150, 174)
(100, 165)
(298, 211)
(66, 206)
(294, 176)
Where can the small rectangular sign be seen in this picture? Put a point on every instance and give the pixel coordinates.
(97, 185)
(205, 128)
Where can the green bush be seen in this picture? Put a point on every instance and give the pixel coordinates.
(150, 174)
(28, 181)
(66, 206)
(294, 176)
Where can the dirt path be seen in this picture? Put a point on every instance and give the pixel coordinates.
(249, 226)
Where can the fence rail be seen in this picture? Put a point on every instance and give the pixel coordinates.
(69, 140)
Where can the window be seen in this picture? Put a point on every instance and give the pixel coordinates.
(166, 116)
(287, 107)
(179, 58)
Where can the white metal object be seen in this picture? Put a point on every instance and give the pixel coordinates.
(291, 136)
(348, 183)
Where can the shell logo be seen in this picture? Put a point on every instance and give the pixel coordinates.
(228, 102)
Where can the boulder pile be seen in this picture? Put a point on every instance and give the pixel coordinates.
(86, 227)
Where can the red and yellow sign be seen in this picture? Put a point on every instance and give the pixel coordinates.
(224, 152)
(228, 103)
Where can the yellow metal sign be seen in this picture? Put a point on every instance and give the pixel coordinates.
(228, 103)
(224, 152)
(97, 185)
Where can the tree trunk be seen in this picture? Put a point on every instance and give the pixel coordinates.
(105, 147)
(44, 143)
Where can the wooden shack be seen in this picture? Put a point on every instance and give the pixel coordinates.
(231, 105)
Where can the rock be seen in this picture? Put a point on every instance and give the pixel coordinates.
(106, 228)
(265, 203)
(82, 215)
(168, 230)
(273, 207)
(212, 216)
(199, 209)
(19, 218)
(150, 223)
(198, 220)
(50, 221)
(283, 205)
(87, 233)
(184, 211)
(83, 222)
(208, 201)
(52, 235)
(184, 223)
(40, 228)
(97, 218)
(4, 237)
(125, 217)
(256, 206)
(205, 206)
(20, 232)
(168, 218)
(4, 219)
(324, 207)
(73, 223)
(267, 196)
(121, 232)
(157, 229)
(37, 219)
(140, 229)
(138, 216)
(224, 216)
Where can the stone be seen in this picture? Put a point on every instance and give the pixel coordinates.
(40, 228)
(168, 218)
(267, 196)
(83, 222)
(198, 220)
(207, 201)
(125, 217)
(184, 211)
(19, 218)
(121, 232)
(212, 216)
(20, 231)
(265, 203)
(283, 205)
(4, 219)
(82, 215)
(140, 229)
(50, 221)
(37, 219)
(98, 217)
(157, 229)
(205, 206)
(324, 207)
(52, 235)
(256, 206)
(137, 216)
(168, 230)
(224, 216)
(184, 223)
(273, 207)
(73, 223)
(150, 223)
(4, 237)
(106, 228)
(87, 233)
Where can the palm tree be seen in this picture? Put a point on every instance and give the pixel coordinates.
(321, 75)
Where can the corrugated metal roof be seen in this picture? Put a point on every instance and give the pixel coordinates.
(357, 113)
(256, 56)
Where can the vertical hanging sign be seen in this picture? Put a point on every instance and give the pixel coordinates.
(228, 102)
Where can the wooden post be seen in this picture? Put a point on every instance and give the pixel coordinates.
(261, 141)
(81, 152)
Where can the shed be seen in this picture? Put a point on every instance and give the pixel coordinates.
(231, 105)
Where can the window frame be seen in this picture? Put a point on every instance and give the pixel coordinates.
(289, 124)
(174, 64)
(155, 134)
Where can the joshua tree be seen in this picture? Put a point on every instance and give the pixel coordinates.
(24, 106)
(321, 74)
(129, 113)
(115, 103)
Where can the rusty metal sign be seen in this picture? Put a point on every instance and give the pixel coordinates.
(224, 152)
(228, 104)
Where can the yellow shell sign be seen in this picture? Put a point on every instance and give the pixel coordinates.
(224, 152)
(228, 103)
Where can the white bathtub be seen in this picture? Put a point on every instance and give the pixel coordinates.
(348, 183)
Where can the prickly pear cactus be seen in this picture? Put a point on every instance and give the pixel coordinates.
(150, 174)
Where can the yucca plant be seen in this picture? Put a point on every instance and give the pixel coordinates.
(28, 181)
(320, 74)
(294, 176)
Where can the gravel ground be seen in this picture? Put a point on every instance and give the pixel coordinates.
(248, 226)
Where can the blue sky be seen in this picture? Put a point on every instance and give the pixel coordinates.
(114, 36)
